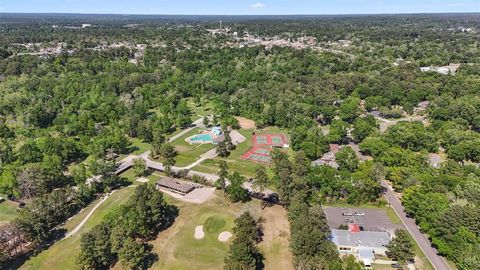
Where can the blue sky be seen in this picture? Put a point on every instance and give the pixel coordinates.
(246, 7)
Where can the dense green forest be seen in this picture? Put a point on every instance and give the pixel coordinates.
(65, 116)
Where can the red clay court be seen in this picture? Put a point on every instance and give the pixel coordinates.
(262, 144)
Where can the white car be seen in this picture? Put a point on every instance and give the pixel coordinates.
(361, 214)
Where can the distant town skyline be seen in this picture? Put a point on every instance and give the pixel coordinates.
(236, 7)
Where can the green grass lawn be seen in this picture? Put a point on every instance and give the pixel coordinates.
(8, 211)
(139, 146)
(202, 110)
(75, 220)
(188, 153)
(393, 216)
(177, 247)
(63, 254)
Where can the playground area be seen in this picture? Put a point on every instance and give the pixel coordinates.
(262, 146)
(212, 135)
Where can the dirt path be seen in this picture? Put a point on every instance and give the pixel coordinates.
(85, 219)
(275, 245)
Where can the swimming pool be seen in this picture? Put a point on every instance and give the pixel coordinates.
(202, 137)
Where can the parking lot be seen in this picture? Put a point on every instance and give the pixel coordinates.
(369, 219)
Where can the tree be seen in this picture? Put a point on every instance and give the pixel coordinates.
(349, 263)
(261, 178)
(206, 121)
(243, 253)
(228, 141)
(338, 132)
(79, 173)
(363, 127)
(96, 251)
(223, 174)
(140, 167)
(8, 180)
(400, 247)
(157, 142)
(32, 181)
(151, 209)
(222, 149)
(167, 156)
(347, 159)
(235, 191)
(349, 109)
(132, 254)
(283, 176)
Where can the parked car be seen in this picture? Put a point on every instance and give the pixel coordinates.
(359, 214)
(396, 266)
(347, 214)
(347, 220)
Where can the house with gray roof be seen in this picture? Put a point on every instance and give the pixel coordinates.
(364, 245)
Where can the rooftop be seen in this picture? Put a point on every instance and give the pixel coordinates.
(360, 239)
(175, 185)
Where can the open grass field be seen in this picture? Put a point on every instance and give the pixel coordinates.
(275, 245)
(63, 254)
(179, 250)
(8, 211)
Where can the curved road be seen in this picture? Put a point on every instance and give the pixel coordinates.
(436, 260)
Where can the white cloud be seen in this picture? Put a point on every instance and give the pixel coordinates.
(257, 5)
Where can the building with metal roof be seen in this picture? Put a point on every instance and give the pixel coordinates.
(174, 185)
(363, 244)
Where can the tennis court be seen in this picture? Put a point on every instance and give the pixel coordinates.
(258, 155)
(277, 140)
(262, 146)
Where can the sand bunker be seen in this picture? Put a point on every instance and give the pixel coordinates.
(199, 233)
(224, 236)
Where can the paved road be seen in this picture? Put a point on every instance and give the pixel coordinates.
(437, 261)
